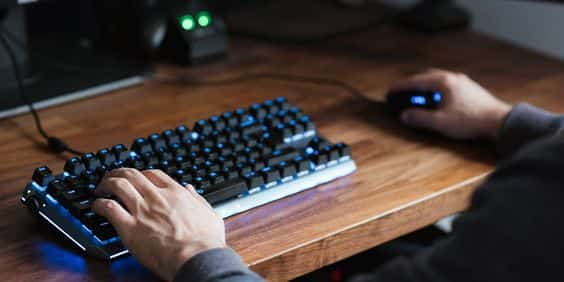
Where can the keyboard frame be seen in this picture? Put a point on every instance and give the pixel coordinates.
(49, 210)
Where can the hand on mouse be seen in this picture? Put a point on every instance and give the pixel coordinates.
(163, 224)
(468, 112)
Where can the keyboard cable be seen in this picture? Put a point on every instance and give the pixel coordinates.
(320, 81)
(54, 144)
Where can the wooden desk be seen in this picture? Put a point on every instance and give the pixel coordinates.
(406, 179)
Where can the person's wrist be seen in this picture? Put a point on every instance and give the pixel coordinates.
(188, 252)
(494, 119)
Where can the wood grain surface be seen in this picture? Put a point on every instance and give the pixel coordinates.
(406, 179)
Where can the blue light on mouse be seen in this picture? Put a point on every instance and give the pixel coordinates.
(437, 97)
(418, 100)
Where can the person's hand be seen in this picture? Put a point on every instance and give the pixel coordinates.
(468, 112)
(163, 224)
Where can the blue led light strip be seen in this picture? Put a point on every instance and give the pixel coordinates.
(60, 229)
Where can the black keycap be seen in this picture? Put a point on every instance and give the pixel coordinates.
(226, 190)
(258, 111)
(182, 163)
(296, 113)
(256, 164)
(244, 169)
(242, 115)
(223, 149)
(253, 129)
(320, 158)
(71, 195)
(232, 134)
(90, 219)
(157, 141)
(90, 177)
(43, 175)
(104, 230)
(251, 153)
(171, 137)
(79, 207)
(121, 152)
(238, 147)
(150, 159)
(203, 127)
(271, 107)
(201, 183)
(207, 143)
(72, 181)
(297, 128)
(282, 103)
(230, 119)
(178, 150)
(183, 132)
(210, 166)
(165, 155)
(216, 178)
(272, 121)
(282, 131)
(302, 164)
(333, 152)
(270, 174)
(226, 162)
(220, 138)
(318, 143)
(307, 123)
(284, 116)
(344, 149)
(253, 180)
(167, 167)
(116, 165)
(281, 156)
(217, 123)
(74, 166)
(56, 188)
(141, 146)
(264, 150)
(135, 162)
(287, 169)
(192, 147)
(182, 176)
(90, 161)
(230, 174)
(106, 157)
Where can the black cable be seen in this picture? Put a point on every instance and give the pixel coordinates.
(277, 76)
(54, 144)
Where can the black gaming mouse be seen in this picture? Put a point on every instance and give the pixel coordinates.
(398, 101)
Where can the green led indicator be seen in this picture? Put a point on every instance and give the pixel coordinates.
(204, 19)
(187, 22)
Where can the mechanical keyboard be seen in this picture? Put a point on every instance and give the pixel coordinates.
(237, 161)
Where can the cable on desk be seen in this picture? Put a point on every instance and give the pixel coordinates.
(274, 76)
(54, 144)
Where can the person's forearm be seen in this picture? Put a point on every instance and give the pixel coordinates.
(525, 124)
(216, 265)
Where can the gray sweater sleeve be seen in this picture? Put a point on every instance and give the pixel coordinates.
(217, 265)
(525, 124)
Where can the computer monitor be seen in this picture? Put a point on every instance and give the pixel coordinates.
(56, 69)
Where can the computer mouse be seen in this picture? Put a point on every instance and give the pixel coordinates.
(398, 101)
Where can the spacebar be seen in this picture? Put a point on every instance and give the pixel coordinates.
(226, 190)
